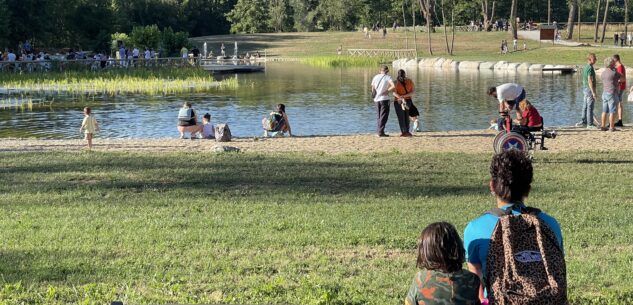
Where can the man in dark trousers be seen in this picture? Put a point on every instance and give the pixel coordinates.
(382, 84)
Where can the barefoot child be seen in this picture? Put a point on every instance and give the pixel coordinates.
(89, 126)
(441, 279)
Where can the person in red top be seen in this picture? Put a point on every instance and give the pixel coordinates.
(530, 119)
(620, 69)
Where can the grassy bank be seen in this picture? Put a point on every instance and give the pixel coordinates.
(273, 229)
(479, 46)
(161, 81)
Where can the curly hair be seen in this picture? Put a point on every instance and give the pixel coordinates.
(511, 174)
(440, 248)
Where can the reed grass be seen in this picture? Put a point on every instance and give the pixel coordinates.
(115, 82)
(343, 61)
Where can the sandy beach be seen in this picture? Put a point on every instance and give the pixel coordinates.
(475, 141)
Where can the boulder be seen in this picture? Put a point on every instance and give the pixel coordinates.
(411, 64)
(487, 65)
(428, 62)
(536, 68)
(524, 67)
(512, 67)
(502, 65)
(454, 65)
(469, 65)
(439, 62)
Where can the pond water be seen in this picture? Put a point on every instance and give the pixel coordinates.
(319, 101)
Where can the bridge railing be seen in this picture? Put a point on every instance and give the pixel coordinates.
(393, 53)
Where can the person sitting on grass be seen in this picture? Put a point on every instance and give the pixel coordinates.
(188, 122)
(277, 123)
(441, 279)
(208, 131)
(89, 126)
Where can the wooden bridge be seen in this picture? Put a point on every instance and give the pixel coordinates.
(393, 53)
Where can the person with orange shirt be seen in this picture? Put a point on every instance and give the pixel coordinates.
(403, 103)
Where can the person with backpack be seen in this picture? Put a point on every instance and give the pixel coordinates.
(531, 266)
(277, 122)
(441, 279)
(188, 122)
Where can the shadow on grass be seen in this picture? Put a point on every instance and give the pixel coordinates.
(378, 176)
(43, 266)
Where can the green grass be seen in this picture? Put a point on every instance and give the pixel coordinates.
(343, 61)
(90, 228)
(479, 46)
(161, 81)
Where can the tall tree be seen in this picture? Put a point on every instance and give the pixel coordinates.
(425, 7)
(304, 15)
(573, 7)
(488, 13)
(626, 18)
(595, 34)
(278, 15)
(4, 23)
(604, 20)
(449, 49)
(513, 19)
(249, 16)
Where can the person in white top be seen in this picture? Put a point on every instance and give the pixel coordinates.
(381, 85)
(135, 53)
(509, 94)
(148, 55)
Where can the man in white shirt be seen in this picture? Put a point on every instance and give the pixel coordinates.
(382, 84)
(510, 92)
(148, 55)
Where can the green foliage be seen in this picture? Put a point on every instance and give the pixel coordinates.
(171, 42)
(119, 37)
(249, 16)
(146, 37)
(4, 23)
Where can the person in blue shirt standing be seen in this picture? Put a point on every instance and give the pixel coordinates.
(511, 177)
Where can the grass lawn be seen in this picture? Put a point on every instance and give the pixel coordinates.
(479, 46)
(90, 228)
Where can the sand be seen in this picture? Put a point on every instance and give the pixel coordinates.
(476, 141)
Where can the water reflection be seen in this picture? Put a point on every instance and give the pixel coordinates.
(319, 101)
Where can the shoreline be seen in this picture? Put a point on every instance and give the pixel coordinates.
(468, 141)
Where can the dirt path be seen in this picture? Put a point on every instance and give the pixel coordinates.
(479, 141)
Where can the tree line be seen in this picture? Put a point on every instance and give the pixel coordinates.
(89, 24)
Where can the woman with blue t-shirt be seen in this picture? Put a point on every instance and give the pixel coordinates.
(510, 182)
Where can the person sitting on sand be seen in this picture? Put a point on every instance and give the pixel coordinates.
(277, 122)
(441, 279)
(187, 121)
(208, 131)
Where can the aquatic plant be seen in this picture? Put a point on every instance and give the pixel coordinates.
(343, 61)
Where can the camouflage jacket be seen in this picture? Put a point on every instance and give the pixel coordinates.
(430, 287)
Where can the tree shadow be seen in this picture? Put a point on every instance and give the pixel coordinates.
(258, 175)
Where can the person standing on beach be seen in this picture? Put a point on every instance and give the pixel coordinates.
(382, 84)
(621, 70)
(589, 91)
(610, 81)
(89, 126)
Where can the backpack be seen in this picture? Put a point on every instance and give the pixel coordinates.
(222, 133)
(525, 262)
(273, 122)
(184, 114)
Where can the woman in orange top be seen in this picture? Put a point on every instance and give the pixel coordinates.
(404, 105)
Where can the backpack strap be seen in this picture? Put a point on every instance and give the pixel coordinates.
(515, 206)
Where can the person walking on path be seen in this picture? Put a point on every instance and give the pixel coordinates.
(402, 102)
(621, 70)
(381, 85)
(589, 92)
(610, 81)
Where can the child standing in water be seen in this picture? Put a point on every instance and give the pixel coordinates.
(89, 126)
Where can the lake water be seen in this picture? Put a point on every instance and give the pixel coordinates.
(319, 101)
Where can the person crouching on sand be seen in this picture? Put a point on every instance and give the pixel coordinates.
(89, 126)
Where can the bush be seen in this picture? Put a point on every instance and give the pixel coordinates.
(146, 36)
(116, 37)
(173, 42)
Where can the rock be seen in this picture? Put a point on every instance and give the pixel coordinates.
(218, 148)
(455, 65)
(469, 65)
(536, 68)
(438, 63)
(411, 64)
(512, 67)
(502, 65)
(487, 65)
(524, 67)
(428, 62)
(447, 63)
